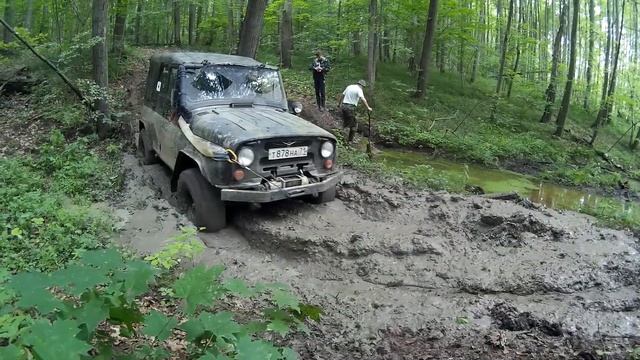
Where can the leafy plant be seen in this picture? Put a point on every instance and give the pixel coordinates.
(186, 245)
(67, 313)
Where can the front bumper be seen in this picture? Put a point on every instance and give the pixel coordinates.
(265, 196)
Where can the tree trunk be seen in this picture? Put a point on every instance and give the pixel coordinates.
(9, 18)
(513, 74)
(100, 62)
(286, 34)
(480, 38)
(566, 97)
(252, 28)
(505, 44)
(177, 27)
(636, 49)
(138, 25)
(550, 93)
(608, 102)
(427, 46)
(119, 27)
(201, 12)
(28, 16)
(590, 54)
(231, 33)
(192, 23)
(371, 43)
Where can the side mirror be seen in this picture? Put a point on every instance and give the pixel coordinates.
(295, 107)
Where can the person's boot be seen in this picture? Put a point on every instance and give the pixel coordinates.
(319, 102)
(324, 104)
(352, 134)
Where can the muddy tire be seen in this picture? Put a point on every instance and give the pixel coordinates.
(145, 150)
(324, 197)
(201, 201)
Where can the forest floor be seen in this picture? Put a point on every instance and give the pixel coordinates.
(407, 274)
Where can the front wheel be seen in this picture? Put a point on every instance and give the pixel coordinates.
(325, 196)
(202, 201)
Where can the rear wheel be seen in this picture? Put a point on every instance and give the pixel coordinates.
(201, 201)
(325, 196)
(145, 150)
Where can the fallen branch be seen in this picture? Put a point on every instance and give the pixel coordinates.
(504, 196)
(46, 61)
(398, 283)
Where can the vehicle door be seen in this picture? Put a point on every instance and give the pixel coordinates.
(167, 129)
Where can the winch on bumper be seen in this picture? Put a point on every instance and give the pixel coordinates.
(281, 188)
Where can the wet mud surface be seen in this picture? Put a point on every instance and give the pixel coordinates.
(419, 275)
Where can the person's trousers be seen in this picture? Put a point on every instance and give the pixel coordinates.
(349, 120)
(318, 82)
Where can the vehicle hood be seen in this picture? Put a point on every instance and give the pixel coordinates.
(230, 127)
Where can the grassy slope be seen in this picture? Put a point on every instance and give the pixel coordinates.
(516, 139)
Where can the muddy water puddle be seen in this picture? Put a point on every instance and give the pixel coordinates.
(499, 181)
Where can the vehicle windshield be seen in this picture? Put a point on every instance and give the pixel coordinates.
(234, 83)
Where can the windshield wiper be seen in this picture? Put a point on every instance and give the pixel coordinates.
(241, 104)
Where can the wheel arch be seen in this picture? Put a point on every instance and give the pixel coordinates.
(184, 161)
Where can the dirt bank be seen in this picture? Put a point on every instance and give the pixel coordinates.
(419, 275)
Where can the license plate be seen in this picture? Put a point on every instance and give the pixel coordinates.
(286, 153)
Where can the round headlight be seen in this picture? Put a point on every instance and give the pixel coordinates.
(327, 149)
(297, 109)
(245, 156)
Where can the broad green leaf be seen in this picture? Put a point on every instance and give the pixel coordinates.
(11, 352)
(26, 282)
(288, 354)
(77, 279)
(285, 300)
(137, 277)
(220, 324)
(193, 328)
(107, 259)
(57, 340)
(91, 313)
(125, 315)
(41, 300)
(279, 327)
(199, 286)
(158, 325)
(248, 349)
(253, 327)
(239, 287)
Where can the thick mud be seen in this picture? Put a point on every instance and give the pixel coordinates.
(420, 275)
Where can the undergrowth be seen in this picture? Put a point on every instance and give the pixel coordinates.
(98, 307)
(46, 198)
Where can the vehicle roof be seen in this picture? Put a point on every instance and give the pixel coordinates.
(196, 58)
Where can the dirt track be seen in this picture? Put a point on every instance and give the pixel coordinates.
(420, 275)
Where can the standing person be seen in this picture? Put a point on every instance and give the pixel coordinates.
(348, 102)
(320, 67)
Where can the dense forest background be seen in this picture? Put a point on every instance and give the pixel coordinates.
(564, 59)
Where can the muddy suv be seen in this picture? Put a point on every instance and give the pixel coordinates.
(223, 125)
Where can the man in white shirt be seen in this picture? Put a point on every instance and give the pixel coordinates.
(348, 102)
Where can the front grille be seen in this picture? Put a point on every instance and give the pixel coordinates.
(291, 165)
(288, 143)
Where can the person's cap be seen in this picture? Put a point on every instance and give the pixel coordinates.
(362, 83)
